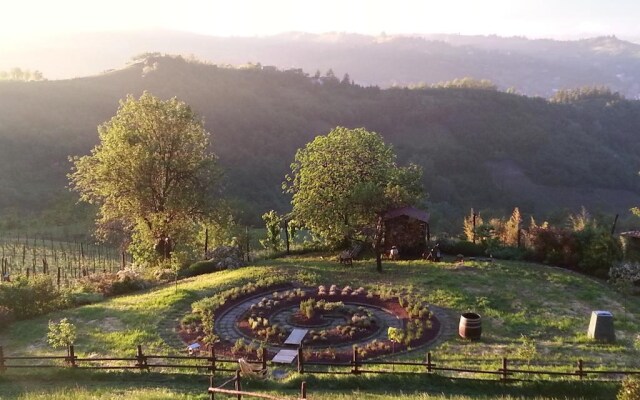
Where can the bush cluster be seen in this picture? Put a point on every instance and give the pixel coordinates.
(469, 249)
(312, 307)
(111, 284)
(26, 298)
(591, 250)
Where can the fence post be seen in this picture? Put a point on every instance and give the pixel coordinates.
(2, 367)
(354, 361)
(504, 369)
(212, 395)
(303, 390)
(72, 356)
(212, 359)
(580, 367)
(300, 361)
(263, 358)
(141, 359)
(238, 385)
(429, 365)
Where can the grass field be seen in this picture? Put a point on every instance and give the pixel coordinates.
(548, 305)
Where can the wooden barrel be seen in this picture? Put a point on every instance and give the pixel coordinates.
(470, 326)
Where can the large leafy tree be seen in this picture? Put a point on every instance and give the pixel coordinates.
(152, 175)
(343, 183)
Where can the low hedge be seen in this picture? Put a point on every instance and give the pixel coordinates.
(467, 249)
(199, 268)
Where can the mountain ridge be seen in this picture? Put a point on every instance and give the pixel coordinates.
(531, 66)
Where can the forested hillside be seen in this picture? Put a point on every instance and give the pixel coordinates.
(479, 148)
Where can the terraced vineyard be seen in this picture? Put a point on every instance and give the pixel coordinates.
(64, 261)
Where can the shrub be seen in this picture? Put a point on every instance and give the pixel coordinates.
(597, 251)
(308, 308)
(37, 295)
(554, 246)
(469, 249)
(164, 274)
(509, 253)
(201, 267)
(527, 348)
(80, 299)
(128, 280)
(239, 346)
(62, 334)
(626, 276)
(108, 284)
(191, 319)
(630, 389)
(6, 317)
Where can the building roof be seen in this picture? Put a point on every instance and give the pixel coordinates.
(412, 212)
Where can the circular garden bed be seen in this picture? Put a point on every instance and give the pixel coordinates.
(378, 322)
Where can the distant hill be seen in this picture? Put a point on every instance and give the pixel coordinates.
(533, 67)
(479, 148)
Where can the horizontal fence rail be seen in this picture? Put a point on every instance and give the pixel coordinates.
(502, 368)
(239, 393)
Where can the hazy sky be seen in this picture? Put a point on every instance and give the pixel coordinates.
(566, 19)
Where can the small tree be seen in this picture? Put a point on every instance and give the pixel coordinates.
(208, 328)
(470, 226)
(293, 228)
(273, 222)
(512, 229)
(62, 334)
(344, 182)
(581, 221)
(527, 349)
(396, 335)
(151, 174)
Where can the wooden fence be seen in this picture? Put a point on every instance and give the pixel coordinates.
(239, 393)
(509, 370)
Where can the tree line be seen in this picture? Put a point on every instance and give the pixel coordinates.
(23, 75)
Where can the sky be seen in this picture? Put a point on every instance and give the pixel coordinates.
(559, 19)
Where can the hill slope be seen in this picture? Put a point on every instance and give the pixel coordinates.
(479, 148)
(533, 67)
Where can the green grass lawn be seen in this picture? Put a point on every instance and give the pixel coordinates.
(549, 305)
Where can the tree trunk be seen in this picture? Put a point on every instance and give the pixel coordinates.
(286, 234)
(378, 243)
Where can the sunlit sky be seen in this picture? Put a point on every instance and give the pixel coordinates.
(562, 19)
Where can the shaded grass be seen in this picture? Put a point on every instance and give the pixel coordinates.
(117, 385)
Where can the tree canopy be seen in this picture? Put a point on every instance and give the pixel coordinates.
(342, 182)
(151, 175)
